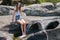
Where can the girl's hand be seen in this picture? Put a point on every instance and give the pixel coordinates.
(12, 20)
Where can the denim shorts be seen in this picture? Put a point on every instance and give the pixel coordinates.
(18, 17)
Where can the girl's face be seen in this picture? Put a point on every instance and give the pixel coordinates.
(18, 5)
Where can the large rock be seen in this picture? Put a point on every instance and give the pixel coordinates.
(12, 28)
(4, 11)
(2, 38)
(57, 10)
(52, 25)
(5, 20)
(43, 9)
(54, 34)
(46, 5)
(34, 9)
(41, 36)
(34, 12)
(33, 28)
(41, 12)
(58, 4)
(36, 36)
(33, 6)
(57, 7)
(5, 36)
(15, 28)
(35, 23)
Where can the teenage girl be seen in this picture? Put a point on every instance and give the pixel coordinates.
(19, 19)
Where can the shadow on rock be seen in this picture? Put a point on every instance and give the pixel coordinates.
(38, 36)
(52, 25)
(34, 28)
(2, 38)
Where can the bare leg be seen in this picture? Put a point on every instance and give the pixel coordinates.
(21, 26)
(22, 29)
(24, 26)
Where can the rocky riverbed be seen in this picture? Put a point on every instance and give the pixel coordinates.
(38, 17)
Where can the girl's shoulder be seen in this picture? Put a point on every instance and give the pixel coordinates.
(14, 7)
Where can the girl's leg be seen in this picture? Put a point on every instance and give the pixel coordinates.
(24, 23)
(19, 21)
(23, 29)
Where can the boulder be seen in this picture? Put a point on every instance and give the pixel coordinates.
(57, 10)
(54, 34)
(33, 28)
(4, 11)
(37, 36)
(5, 36)
(12, 28)
(35, 12)
(43, 9)
(47, 5)
(52, 25)
(58, 4)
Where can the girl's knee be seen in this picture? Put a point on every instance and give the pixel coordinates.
(24, 21)
(20, 22)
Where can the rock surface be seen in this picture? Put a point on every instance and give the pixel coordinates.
(44, 9)
(58, 4)
(5, 35)
(39, 18)
(54, 34)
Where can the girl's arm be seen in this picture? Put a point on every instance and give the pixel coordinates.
(13, 16)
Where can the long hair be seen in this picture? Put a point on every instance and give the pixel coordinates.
(18, 8)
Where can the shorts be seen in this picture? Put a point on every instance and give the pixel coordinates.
(18, 17)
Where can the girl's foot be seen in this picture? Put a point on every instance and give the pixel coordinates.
(22, 36)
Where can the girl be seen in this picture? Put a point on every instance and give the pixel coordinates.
(18, 19)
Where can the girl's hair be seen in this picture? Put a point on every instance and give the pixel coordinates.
(18, 4)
